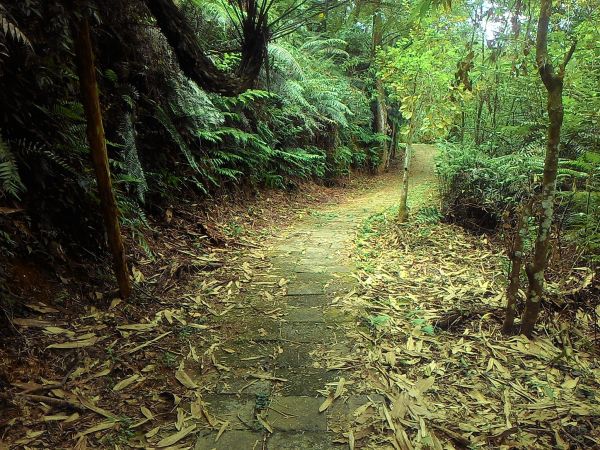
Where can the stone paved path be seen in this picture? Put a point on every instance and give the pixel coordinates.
(293, 336)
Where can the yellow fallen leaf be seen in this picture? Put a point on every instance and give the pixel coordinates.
(99, 427)
(340, 388)
(147, 413)
(388, 417)
(41, 308)
(424, 385)
(140, 423)
(327, 403)
(570, 383)
(55, 417)
(75, 344)
(180, 419)
(266, 425)
(196, 409)
(209, 418)
(126, 382)
(73, 417)
(102, 373)
(152, 432)
(137, 326)
(58, 330)
(89, 405)
(114, 303)
(81, 444)
(174, 438)
(351, 440)
(29, 436)
(361, 409)
(185, 379)
(402, 439)
(138, 276)
(266, 376)
(222, 430)
(83, 337)
(31, 323)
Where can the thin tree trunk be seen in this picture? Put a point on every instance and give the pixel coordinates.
(380, 104)
(394, 140)
(97, 141)
(554, 86)
(517, 257)
(478, 134)
(381, 126)
(403, 207)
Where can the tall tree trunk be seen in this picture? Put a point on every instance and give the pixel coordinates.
(97, 141)
(380, 103)
(554, 86)
(381, 126)
(403, 207)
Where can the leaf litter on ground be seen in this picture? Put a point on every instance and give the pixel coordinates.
(431, 307)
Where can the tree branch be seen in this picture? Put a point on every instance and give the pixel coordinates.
(566, 59)
(194, 61)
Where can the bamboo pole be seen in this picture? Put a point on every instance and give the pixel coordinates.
(95, 134)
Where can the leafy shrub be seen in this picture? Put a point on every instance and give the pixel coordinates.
(471, 181)
(482, 190)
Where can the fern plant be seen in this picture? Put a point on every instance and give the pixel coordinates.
(10, 29)
(10, 181)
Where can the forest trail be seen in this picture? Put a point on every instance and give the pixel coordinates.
(287, 346)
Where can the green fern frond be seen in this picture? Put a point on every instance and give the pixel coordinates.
(133, 166)
(319, 44)
(327, 48)
(10, 180)
(10, 29)
(167, 123)
(288, 64)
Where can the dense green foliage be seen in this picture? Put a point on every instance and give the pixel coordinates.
(485, 97)
(484, 190)
(305, 118)
(337, 86)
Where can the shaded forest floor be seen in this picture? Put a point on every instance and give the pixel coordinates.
(305, 325)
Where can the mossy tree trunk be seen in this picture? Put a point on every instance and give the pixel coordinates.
(95, 134)
(403, 206)
(517, 257)
(553, 81)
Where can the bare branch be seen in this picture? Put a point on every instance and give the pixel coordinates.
(566, 59)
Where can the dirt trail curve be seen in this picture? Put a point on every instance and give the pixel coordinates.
(287, 340)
